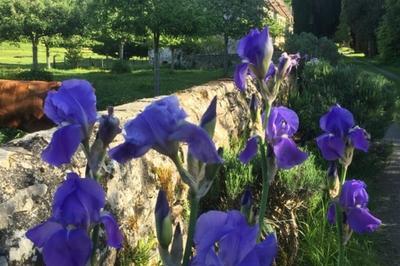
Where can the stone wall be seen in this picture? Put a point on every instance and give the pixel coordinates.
(27, 183)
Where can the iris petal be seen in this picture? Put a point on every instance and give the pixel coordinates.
(42, 232)
(331, 215)
(78, 201)
(236, 245)
(63, 145)
(114, 235)
(127, 151)
(271, 72)
(354, 194)
(256, 48)
(250, 150)
(337, 121)
(73, 102)
(163, 118)
(359, 138)
(331, 147)
(287, 154)
(200, 144)
(267, 250)
(138, 132)
(67, 248)
(362, 221)
(210, 227)
(282, 121)
(83, 92)
(210, 114)
(240, 76)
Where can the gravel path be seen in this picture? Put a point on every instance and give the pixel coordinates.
(387, 188)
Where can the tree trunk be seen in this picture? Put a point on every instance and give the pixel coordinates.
(172, 58)
(121, 50)
(156, 63)
(47, 55)
(35, 42)
(226, 41)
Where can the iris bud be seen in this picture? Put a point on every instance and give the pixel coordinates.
(247, 206)
(163, 220)
(208, 120)
(333, 179)
(109, 127)
(254, 108)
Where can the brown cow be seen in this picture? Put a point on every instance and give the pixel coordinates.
(21, 104)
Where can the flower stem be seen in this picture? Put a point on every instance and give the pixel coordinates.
(194, 209)
(95, 237)
(264, 171)
(339, 226)
(265, 189)
(339, 219)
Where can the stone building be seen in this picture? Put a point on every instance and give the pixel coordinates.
(282, 13)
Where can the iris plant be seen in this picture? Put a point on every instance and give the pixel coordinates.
(77, 207)
(353, 203)
(351, 209)
(341, 136)
(280, 123)
(73, 108)
(70, 235)
(226, 239)
(162, 126)
(338, 142)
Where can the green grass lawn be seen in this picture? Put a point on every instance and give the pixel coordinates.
(111, 89)
(21, 53)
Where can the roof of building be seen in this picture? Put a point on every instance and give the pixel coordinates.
(281, 8)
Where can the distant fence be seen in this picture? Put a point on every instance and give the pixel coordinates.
(194, 61)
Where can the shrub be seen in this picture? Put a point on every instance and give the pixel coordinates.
(309, 44)
(109, 47)
(8, 134)
(370, 97)
(120, 67)
(35, 75)
(233, 178)
(74, 46)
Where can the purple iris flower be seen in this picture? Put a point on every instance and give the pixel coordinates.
(73, 109)
(255, 50)
(286, 63)
(61, 246)
(282, 125)
(78, 201)
(236, 241)
(76, 208)
(340, 130)
(354, 200)
(162, 126)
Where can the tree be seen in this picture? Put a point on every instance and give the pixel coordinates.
(115, 22)
(233, 19)
(389, 32)
(362, 17)
(172, 18)
(320, 17)
(35, 20)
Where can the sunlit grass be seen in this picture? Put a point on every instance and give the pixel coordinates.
(347, 51)
(21, 53)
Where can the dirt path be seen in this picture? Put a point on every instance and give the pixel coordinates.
(387, 203)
